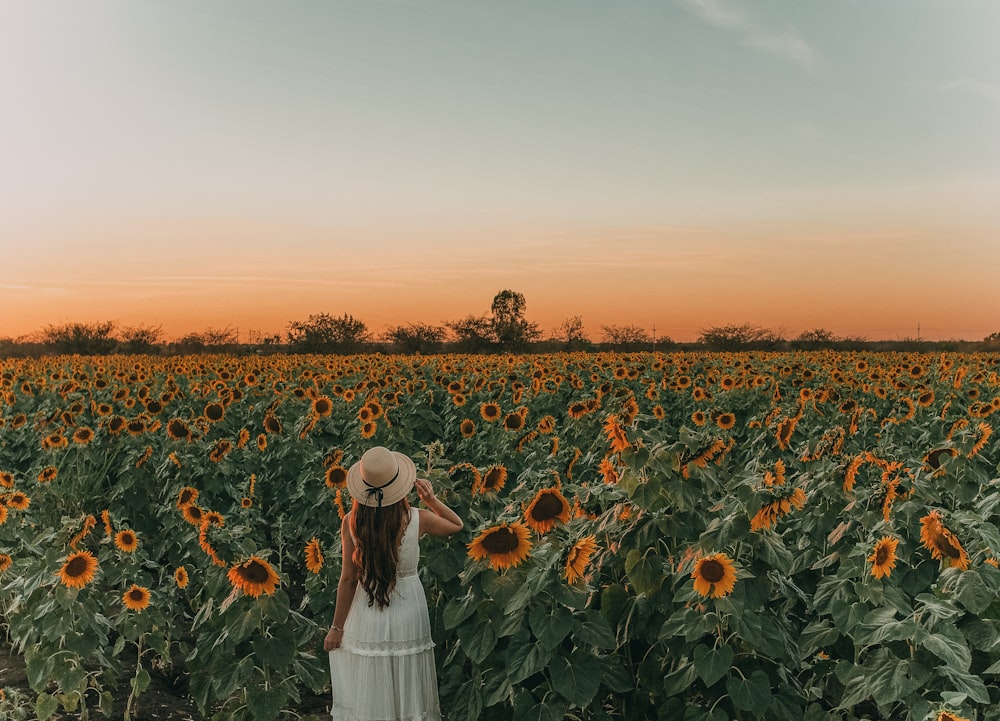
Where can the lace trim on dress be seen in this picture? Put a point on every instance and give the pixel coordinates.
(387, 648)
(339, 715)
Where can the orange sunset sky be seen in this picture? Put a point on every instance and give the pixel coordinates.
(672, 165)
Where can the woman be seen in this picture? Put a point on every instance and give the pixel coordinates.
(381, 652)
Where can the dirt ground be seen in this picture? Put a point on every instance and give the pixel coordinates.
(166, 699)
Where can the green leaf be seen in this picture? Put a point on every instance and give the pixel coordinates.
(950, 648)
(275, 606)
(45, 706)
(645, 572)
(524, 661)
(750, 694)
(550, 625)
(265, 703)
(478, 639)
(468, 703)
(678, 681)
(712, 663)
(972, 592)
(576, 677)
(140, 682)
(969, 684)
(458, 610)
(596, 631)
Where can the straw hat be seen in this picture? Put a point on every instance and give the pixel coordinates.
(381, 478)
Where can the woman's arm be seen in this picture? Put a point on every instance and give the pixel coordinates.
(346, 588)
(438, 520)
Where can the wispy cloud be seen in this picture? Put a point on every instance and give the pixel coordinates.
(784, 43)
(974, 86)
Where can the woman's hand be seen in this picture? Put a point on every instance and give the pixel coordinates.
(425, 491)
(333, 638)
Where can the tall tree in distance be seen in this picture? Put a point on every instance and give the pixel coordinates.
(513, 332)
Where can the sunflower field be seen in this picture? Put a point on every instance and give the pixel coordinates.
(674, 536)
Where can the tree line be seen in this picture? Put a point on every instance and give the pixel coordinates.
(505, 329)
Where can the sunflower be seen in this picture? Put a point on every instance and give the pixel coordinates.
(322, 406)
(48, 474)
(883, 558)
(948, 716)
(115, 425)
(3, 514)
(5, 562)
(985, 431)
(178, 430)
(243, 438)
(725, 421)
(578, 558)
(136, 598)
(547, 425)
(83, 435)
(6, 479)
(368, 429)
(78, 569)
(215, 412)
(186, 497)
(714, 575)
(336, 477)
(181, 577)
(698, 418)
(608, 470)
(467, 428)
(126, 541)
(272, 424)
(659, 413)
(246, 502)
(615, 434)
(220, 450)
(193, 514)
(314, 556)
(941, 542)
(783, 434)
(490, 412)
(493, 480)
(459, 399)
(254, 577)
(365, 414)
(18, 501)
(261, 441)
(546, 508)
(506, 545)
(578, 410)
(513, 421)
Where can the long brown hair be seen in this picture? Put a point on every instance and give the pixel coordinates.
(377, 532)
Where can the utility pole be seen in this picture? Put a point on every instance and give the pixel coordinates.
(918, 331)
(654, 336)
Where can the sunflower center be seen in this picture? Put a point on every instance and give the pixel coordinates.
(137, 595)
(500, 541)
(254, 572)
(548, 506)
(493, 478)
(948, 548)
(712, 571)
(76, 567)
(881, 555)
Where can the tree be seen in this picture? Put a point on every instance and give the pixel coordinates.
(416, 337)
(815, 338)
(139, 339)
(629, 336)
(570, 332)
(473, 333)
(512, 330)
(732, 337)
(324, 333)
(81, 338)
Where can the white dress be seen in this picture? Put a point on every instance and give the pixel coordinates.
(384, 669)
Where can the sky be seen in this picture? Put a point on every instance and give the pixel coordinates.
(673, 165)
